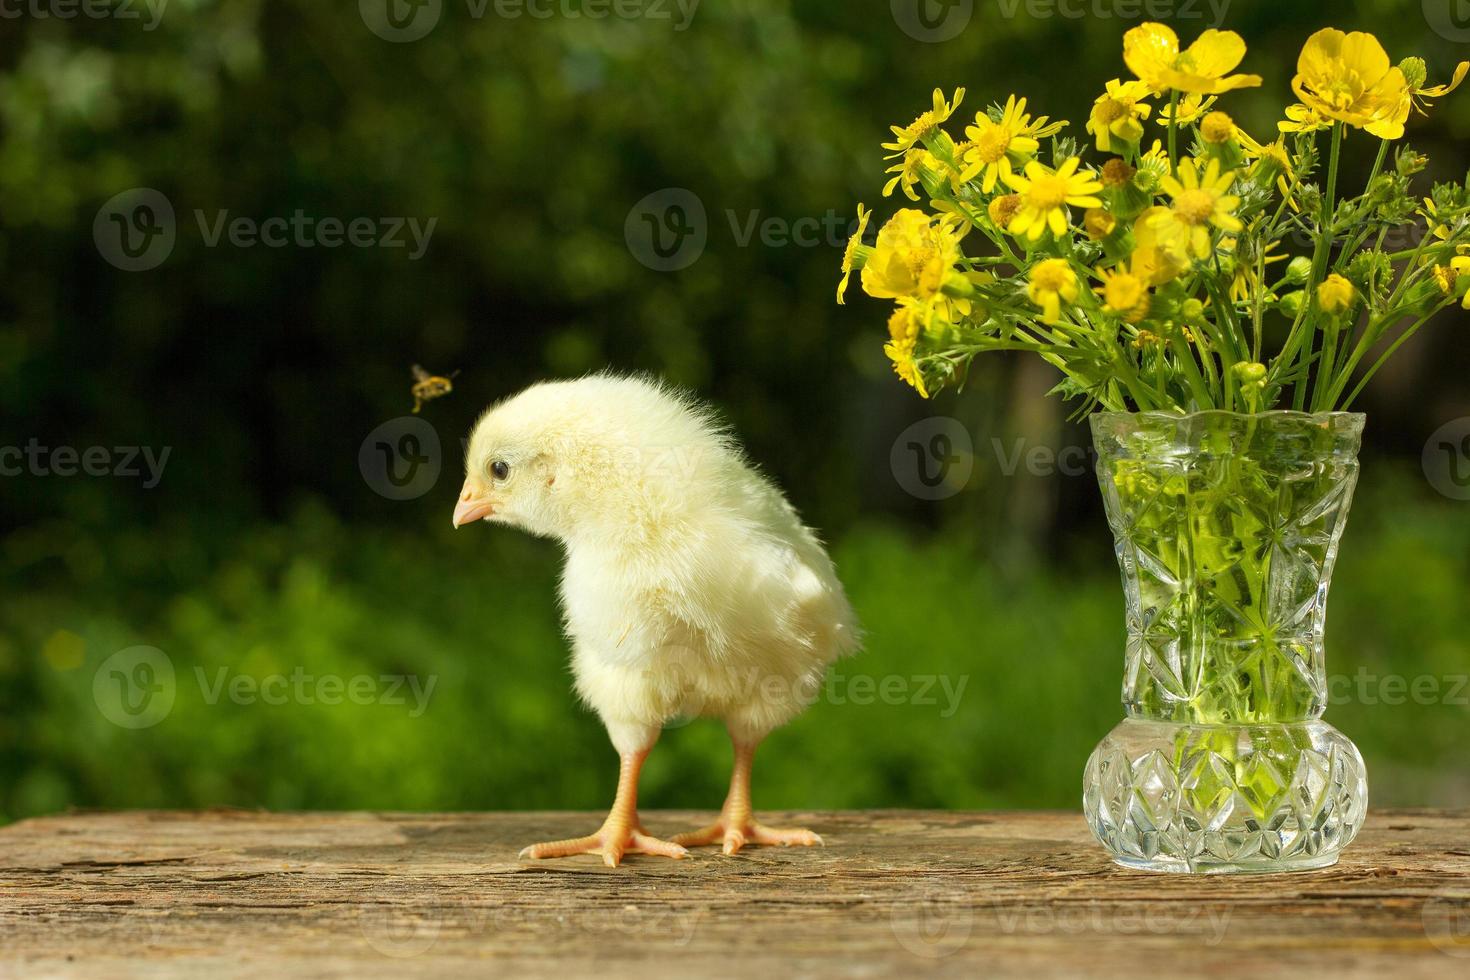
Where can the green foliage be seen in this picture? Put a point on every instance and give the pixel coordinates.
(991, 701)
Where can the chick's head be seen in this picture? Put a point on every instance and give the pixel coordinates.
(511, 471)
(600, 458)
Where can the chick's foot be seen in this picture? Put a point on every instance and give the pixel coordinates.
(612, 841)
(734, 834)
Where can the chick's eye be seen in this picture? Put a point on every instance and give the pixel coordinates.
(500, 469)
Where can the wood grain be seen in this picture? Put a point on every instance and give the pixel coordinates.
(250, 894)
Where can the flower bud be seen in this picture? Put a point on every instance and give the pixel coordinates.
(1003, 208)
(1415, 72)
(1216, 127)
(1098, 223)
(1192, 310)
(1292, 303)
(1335, 294)
(1116, 173)
(1249, 372)
(1298, 270)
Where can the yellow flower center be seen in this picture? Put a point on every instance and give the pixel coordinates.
(921, 127)
(1194, 207)
(903, 329)
(1116, 173)
(1343, 93)
(1124, 291)
(1445, 277)
(1004, 208)
(1217, 127)
(1047, 192)
(992, 143)
(1051, 276)
(1110, 110)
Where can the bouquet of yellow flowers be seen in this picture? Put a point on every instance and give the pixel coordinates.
(1152, 278)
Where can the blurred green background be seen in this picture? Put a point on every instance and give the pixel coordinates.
(263, 550)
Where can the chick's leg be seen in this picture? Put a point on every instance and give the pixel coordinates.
(621, 833)
(737, 825)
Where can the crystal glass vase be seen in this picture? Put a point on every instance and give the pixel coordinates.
(1226, 530)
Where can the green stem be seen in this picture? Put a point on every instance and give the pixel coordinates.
(1173, 126)
(1191, 372)
(1319, 263)
(1392, 348)
(1324, 369)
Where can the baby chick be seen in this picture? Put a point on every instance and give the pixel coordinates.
(691, 586)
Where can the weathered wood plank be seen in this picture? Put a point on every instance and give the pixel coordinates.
(250, 894)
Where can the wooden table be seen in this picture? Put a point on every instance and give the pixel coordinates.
(237, 893)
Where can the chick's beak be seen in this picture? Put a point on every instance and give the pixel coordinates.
(472, 506)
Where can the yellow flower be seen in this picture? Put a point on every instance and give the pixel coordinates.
(910, 171)
(1098, 223)
(1124, 293)
(904, 327)
(1003, 208)
(1416, 73)
(1335, 294)
(1460, 266)
(850, 253)
(1348, 77)
(1444, 278)
(1217, 127)
(1245, 282)
(1052, 281)
(1153, 166)
(1199, 200)
(1191, 107)
(1116, 173)
(1273, 154)
(990, 146)
(1119, 112)
(1151, 51)
(1437, 228)
(1156, 258)
(1045, 195)
(1301, 119)
(925, 125)
(912, 256)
